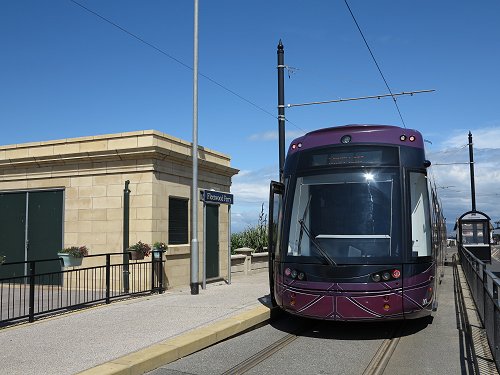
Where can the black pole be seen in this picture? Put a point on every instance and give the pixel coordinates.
(108, 278)
(31, 311)
(471, 164)
(126, 219)
(281, 107)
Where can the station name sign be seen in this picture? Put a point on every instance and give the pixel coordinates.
(210, 196)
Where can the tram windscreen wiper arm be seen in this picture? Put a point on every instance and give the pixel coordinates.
(324, 254)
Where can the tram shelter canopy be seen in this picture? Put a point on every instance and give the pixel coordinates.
(474, 234)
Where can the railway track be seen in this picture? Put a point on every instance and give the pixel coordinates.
(376, 366)
(384, 353)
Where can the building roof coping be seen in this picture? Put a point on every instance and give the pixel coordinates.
(48, 146)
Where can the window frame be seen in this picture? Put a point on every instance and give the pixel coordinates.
(181, 233)
(427, 218)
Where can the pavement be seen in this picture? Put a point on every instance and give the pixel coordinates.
(136, 335)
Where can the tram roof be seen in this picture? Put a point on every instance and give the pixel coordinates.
(359, 134)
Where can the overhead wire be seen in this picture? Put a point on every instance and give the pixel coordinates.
(376, 63)
(135, 36)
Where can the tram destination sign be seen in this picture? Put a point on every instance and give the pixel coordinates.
(210, 196)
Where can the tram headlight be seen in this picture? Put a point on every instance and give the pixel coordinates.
(301, 276)
(346, 139)
(396, 274)
(386, 276)
(376, 277)
(288, 271)
(294, 274)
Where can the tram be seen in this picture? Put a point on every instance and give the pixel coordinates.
(356, 230)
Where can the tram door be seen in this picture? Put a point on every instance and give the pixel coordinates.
(212, 239)
(275, 213)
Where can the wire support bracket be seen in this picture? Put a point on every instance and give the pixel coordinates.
(411, 93)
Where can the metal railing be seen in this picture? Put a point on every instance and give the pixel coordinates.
(107, 278)
(484, 286)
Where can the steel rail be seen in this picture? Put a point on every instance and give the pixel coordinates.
(267, 352)
(384, 353)
(261, 356)
(376, 366)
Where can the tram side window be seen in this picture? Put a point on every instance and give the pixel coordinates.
(421, 229)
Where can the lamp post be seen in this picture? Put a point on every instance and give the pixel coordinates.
(195, 287)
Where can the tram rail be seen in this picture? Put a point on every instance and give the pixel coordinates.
(376, 366)
(384, 353)
(267, 352)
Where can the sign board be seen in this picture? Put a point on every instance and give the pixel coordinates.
(211, 196)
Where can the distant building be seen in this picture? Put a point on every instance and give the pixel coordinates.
(496, 236)
(70, 192)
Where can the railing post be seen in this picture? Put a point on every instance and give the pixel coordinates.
(160, 273)
(32, 292)
(153, 261)
(108, 277)
(496, 336)
(485, 293)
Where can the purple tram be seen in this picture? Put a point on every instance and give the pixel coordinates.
(355, 228)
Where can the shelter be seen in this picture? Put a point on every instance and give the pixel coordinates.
(70, 192)
(474, 234)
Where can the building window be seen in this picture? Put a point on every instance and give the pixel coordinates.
(177, 221)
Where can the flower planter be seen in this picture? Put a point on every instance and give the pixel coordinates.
(136, 255)
(70, 260)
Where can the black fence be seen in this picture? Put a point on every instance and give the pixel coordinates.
(27, 293)
(484, 286)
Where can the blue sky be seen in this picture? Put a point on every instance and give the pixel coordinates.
(65, 72)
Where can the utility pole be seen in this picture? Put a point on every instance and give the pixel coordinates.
(281, 108)
(471, 164)
(195, 287)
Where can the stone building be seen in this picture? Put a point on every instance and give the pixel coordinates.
(70, 192)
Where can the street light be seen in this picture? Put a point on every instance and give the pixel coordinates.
(195, 288)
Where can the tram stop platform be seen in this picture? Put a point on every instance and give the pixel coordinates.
(138, 335)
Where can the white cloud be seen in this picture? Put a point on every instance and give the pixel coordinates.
(481, 138)
(451, 171)
(251, 191)
(253, 186)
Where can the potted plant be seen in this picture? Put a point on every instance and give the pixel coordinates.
(139, 251)
(159, 248)
(73, 256)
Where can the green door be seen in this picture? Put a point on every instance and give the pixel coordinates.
(12, 232)
(31, 228)
(212, 238)
(45, 230)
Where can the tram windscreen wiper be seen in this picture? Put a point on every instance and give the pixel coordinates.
(304, 229)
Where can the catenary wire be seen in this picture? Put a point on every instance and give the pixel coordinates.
(376, 63)
(179, 61)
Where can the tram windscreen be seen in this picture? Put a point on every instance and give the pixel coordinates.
(352, 217)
